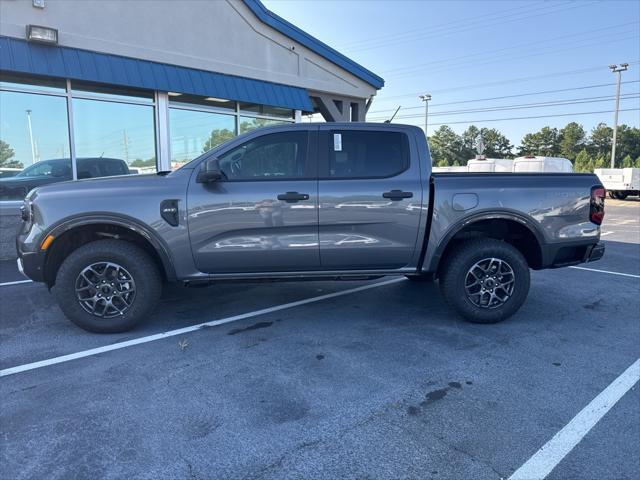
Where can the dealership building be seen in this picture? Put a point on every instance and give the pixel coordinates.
(155, 83)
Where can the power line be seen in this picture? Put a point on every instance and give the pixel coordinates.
(511, 56)
(584, 87)
(492, 52)
(525, 106)
(463, 21)
(508, 81)
(466, 27)
(537, 116)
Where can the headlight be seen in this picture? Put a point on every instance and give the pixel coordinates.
(26, 211)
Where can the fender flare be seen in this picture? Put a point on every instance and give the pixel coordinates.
(487, 215)
(121, 221)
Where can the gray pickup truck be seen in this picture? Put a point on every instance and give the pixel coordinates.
(323, 201)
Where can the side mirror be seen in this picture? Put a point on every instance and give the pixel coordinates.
(210, 172)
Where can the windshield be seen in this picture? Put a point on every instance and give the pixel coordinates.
(51, 168)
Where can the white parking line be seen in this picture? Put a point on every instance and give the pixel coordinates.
(17, 282)
(606, 271)
(548, 457)
(182, 331)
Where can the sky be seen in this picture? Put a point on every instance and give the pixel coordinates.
(464, 51)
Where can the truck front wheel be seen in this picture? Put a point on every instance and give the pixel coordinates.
(107, 286)
(485, 280)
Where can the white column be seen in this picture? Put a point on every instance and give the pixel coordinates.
(162, 132)
(298, 116)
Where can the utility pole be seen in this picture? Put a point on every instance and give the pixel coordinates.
(425, 98)
(33, 150)
(125, 141)
(618, 70)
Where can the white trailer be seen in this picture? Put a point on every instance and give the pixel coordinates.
(539, 164)
(494, 165)
(620, 182)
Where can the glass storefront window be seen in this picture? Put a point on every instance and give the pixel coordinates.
(212, 102)
(33, 130)
(23, 82)
(193, 132)
(111, 93)
(267, 110)
(113, 138)
(250, 123)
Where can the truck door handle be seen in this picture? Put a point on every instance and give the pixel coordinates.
(293, 197)
(397, 195)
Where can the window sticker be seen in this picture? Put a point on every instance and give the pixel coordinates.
(337, 142)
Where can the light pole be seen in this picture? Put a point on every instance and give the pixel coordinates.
(425, 98)
(33, 150)
(618, 70)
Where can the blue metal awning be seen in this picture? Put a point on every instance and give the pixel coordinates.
(20, 56)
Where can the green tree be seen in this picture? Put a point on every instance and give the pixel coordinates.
(6, 155)
(637, 165)
(628, 142)
(627, 162)
(572, 140)
(138, 162)
(446, 145)
(584, 162)
(496, 145)
(217, 137)
(602, 162)
(600, 141)
(546, 142)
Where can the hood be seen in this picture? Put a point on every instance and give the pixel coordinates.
(115, 188)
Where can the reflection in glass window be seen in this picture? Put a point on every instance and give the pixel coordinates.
(183, 98)
(249, 123)
(29, 82)
(111, 93)
(193, 133)
(113, 138)
(266, 110)
(277, 155)
(33, 129)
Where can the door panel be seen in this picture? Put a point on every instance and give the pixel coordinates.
(258, 220)
(368, 223)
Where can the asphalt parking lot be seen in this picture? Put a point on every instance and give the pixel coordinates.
(374, 382)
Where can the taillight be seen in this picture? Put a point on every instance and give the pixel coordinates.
(596, 210)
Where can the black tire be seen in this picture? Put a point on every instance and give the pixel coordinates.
(611, 194)
(622, 196)
(144, 285)
(455, 274)
(420, 278)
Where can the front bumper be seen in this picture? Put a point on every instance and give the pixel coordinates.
(596, 253)
(31, 265)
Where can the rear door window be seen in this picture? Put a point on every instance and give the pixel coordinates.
(367, 154)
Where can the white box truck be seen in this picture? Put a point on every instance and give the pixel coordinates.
(620, 182)
(539, 164)
(494, 165)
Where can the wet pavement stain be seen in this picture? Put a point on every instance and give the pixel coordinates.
(557, 364)
(593, 306)
(255, 326)
(469, 382)
(320, 357)
(413, 410)
(455, 384)
(434, 396)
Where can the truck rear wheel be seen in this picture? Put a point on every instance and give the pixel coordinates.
(485, 280)
(107, 286)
